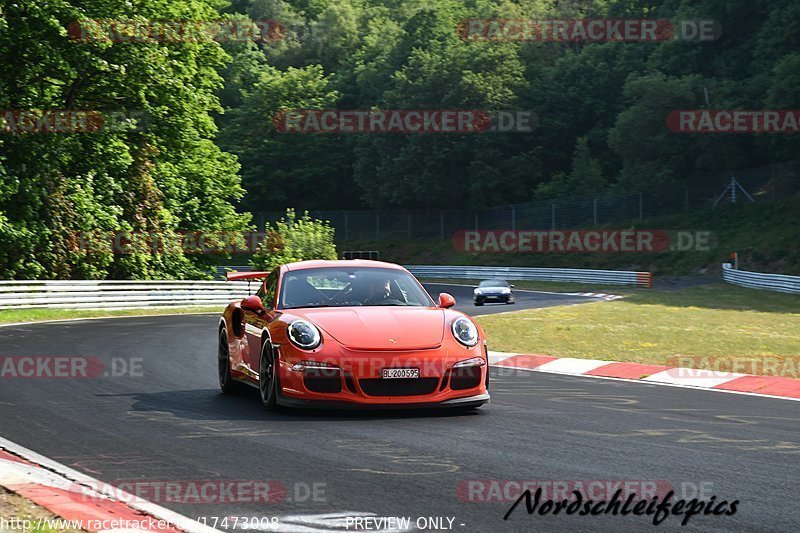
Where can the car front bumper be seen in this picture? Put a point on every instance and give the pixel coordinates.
(491, 298)
(464, 403)
(356, 379)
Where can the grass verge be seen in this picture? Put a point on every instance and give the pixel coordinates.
(12, 316)
(712, 324)
(16, 508)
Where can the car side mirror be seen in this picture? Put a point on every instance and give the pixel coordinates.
(253, 304)
(511, 286)
(446, 301)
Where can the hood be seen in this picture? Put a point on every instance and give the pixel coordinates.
(370, 328)
(493, 290)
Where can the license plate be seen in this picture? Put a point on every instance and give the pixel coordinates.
(400, 373)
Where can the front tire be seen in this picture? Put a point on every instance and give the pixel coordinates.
(226, 382)
(268, 377)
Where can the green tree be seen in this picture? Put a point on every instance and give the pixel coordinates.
(294, 238)
(163, 174)
(585, 177)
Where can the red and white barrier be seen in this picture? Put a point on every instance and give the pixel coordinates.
(70, 495)
(771, 386)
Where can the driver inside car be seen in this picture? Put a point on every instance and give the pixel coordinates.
(377, 291)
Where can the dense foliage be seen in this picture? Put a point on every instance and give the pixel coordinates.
(601, 107)
(294, 238)
(158, 173)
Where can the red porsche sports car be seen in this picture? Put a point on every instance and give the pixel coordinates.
(351, 334)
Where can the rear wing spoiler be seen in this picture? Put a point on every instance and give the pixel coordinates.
(240, 276)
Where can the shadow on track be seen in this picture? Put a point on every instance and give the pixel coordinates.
(210, 404)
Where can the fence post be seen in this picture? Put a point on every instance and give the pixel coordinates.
(263, 220)
(594, 210)
(553, 215)
(346, 225)
(513, 218)
(476, 221)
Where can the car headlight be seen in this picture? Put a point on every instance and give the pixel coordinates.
(465, 331)
(478, 292)
(506, 291)
(304, 334)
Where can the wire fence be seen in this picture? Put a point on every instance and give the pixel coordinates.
(761, 184)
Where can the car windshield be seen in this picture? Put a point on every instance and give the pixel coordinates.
(493, 283)
(347, 287)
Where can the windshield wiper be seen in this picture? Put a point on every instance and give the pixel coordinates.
(308, 306)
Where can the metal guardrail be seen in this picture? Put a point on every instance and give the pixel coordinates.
(572, 275)
(577, 275)
(758, 280)
(80, 294)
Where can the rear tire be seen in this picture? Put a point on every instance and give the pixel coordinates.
(268, 377)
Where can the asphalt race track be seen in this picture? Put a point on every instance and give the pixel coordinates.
(168, 421)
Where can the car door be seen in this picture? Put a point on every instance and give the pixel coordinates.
(254, 324)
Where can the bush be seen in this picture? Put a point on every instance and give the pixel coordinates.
(294, 239)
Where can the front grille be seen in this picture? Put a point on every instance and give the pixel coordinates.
(445, 379)
(348, 380)
(465, 378)
(319, 380)
(398, 387)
